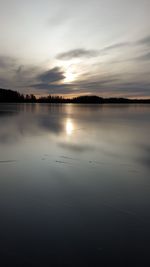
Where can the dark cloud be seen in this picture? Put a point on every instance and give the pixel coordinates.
(26, 74)
(144, 57)
(19, 76)
(16, 76)
(7, 62)
(84, 53)
(54, 88)
(133, 88)
(20, 70)
(50, 81)
(78, 53)
(144, 41)
(52, 75)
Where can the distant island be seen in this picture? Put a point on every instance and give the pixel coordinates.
(10, 96)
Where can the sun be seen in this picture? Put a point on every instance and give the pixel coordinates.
(69, 75)
(70, 69)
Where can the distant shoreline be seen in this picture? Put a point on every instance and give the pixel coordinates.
(10, 96)
(78, 103)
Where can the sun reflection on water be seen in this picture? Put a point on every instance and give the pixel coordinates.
(69, 127)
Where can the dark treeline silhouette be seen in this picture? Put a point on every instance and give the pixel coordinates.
(10, 96)
(79, 99)
(15, 97)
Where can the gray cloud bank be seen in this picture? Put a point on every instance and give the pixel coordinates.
(37, 79)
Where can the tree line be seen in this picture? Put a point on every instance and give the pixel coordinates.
(10, 96)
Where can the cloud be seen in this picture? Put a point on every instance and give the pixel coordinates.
(144, 57)
(84, 86)
(35, 79)
(78, 53)
(7, 62)
(85, 53)
(54, 88)
(26, 73)
(16, 76)
(50, 81)
(52, 75)
(115, 46)
(122, 85)
(3, 82)
(19, 76)
(144, 41)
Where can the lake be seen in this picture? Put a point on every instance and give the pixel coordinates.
(74, 185)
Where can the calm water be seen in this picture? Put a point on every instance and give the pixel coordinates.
(74, 185)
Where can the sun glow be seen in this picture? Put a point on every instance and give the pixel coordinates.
(69, 75)
(71, 69)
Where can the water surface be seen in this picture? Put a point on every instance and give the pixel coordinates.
(74, 185)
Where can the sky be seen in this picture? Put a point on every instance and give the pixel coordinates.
(69, 48)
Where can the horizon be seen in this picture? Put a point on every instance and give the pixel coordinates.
(29, 97)
(52, 47)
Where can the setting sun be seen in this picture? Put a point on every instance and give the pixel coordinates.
(69, 75)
